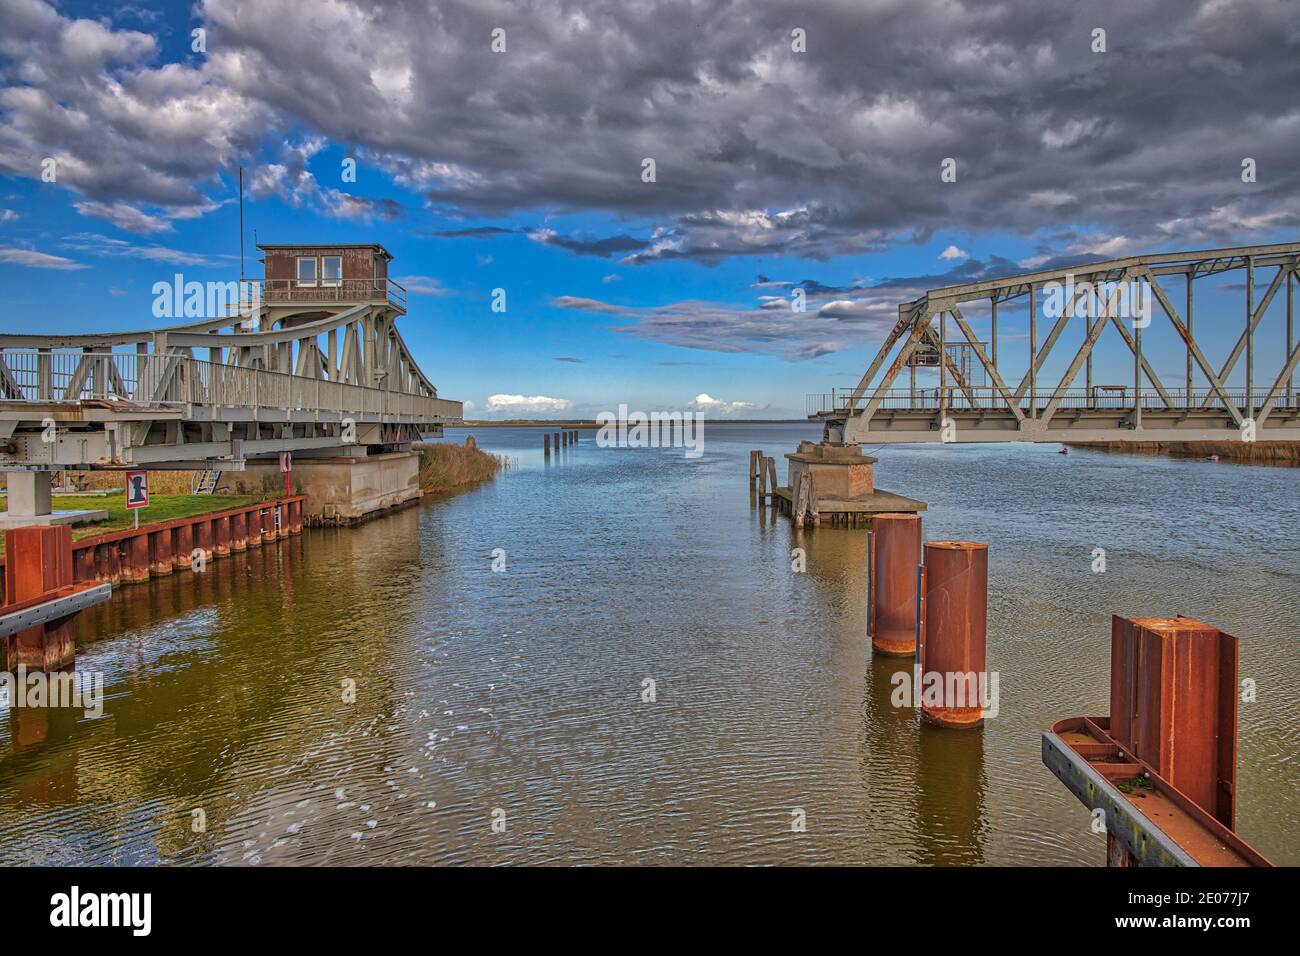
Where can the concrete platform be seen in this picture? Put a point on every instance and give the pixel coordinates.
(876, 502)
(73, 517)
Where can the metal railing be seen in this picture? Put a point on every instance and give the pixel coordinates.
(336, 290)
(171, 379)
(988, 398)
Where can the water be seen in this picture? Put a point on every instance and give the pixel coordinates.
(521, 692)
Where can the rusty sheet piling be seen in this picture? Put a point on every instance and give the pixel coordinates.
(1173, 705)
(893, 554)
(1162, 767)
(38, 563)
(952, 626)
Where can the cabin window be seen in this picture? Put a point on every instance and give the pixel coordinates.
(331, 270)
(306, 270)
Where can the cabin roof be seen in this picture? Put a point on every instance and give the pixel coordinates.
(326, 245)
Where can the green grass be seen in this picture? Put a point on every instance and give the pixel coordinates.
(161, 508)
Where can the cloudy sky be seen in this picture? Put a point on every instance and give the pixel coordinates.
(504, 145)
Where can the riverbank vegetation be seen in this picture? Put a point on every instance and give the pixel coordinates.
(444, 467)
(1253, 453)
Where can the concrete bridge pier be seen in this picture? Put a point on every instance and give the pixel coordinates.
(342, 487)
(30, 502)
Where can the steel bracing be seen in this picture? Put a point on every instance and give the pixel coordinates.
(216, 391)
(1049, 407)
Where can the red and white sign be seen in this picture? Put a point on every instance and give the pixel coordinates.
(286, 461)
(137, 489)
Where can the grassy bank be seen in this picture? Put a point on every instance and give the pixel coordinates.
(161, 508)
(1254, 453)
(444, 467)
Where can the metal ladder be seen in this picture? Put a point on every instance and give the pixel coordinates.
(205, 482)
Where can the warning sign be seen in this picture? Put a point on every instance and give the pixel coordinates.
(137, 489)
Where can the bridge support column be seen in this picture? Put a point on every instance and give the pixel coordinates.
(29, 493)
(30, 502)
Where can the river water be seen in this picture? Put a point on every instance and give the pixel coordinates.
(515, 698)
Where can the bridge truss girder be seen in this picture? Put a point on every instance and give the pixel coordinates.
(873, 412)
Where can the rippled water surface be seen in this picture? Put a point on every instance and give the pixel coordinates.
(519, 693)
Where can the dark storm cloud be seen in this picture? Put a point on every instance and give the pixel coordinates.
(834, 318)
(758, 150)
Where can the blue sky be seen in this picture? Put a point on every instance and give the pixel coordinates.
(522, 171)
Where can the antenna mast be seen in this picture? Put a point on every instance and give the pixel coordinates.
(241, 226)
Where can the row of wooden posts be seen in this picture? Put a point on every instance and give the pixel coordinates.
(802, 505)
(562, 440)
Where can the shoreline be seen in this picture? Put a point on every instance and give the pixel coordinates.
(1282, 454)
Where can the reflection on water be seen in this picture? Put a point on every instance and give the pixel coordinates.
(521, 692)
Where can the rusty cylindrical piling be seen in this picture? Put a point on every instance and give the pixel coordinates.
(951, 631)
(893, 553)
(546, 443)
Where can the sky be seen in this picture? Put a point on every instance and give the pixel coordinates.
(504, 146)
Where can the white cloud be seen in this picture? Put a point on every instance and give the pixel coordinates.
(704, 402)
(952, 252)
(124, 216)
(37, 260)
(95, 244)
(527, 403)
(8, 215)
(422, 285)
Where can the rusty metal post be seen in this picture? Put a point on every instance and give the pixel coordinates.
(108, 563)
(39, 560)
(183, 553)
(951, 630)
(136, 569)
(239, 531)
(203, 538)
(160, 552)
(254, 519)
(295, 517)
(893, 553)
(83, 565)
(557, 441)
(221, 536)
(1173, 705)
(546, 444)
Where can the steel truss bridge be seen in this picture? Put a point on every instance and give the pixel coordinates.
(214, 393)
(933, 332)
